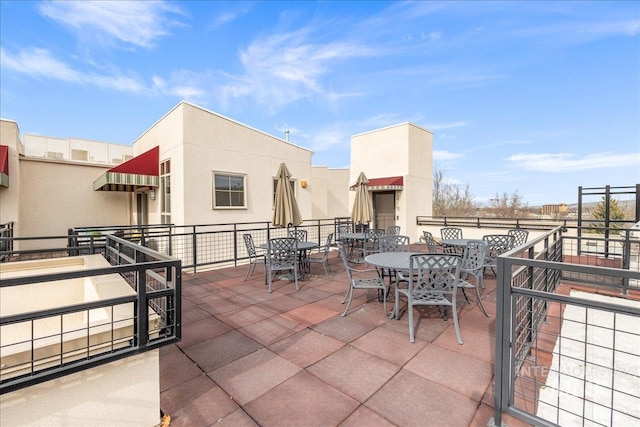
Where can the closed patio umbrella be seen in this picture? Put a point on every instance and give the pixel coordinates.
(285, 212)
(362, 212)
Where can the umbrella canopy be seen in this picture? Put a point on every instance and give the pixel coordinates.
(285, 212)
(362, 212)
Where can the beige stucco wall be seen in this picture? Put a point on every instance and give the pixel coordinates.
(330, 190)
(9, 197)
(122, 393)
(199, 142)
(401, 150)
(55, 196)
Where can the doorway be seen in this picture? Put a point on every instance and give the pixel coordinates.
(142, 209)
(384, 209)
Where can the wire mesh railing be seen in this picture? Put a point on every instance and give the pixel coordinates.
(65, 314)
(568, 334)
(204, 245)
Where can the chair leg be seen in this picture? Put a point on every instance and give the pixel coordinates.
(325, 264)
(350, 294)
(270, 277)
(412, 337)
(454, 308)
(484, 310)
(252, 266)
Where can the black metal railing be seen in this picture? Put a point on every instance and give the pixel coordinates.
(202, 245)
(551, 319)
(6, 238)
(488, 222)
(43, 343)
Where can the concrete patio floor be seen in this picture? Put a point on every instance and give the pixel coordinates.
(288, 358)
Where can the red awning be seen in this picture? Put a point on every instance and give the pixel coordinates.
(380, 184)
(4, 165)
(141, 171)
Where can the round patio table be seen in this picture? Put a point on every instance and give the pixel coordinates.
(399, 261)
(303, 247)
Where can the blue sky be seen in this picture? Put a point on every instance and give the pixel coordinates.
(536, 97)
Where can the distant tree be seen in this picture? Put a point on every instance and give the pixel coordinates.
(449, 199)
(616, 213)
(507, 205)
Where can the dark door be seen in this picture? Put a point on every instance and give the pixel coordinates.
(384, 209)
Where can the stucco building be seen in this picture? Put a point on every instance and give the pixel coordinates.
(194, 166)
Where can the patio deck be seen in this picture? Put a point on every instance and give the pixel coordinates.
(288, 358)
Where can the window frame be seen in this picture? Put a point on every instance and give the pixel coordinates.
(243, 176)
(165, 191)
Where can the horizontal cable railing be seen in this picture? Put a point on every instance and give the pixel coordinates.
(120, 300)
(568, 333)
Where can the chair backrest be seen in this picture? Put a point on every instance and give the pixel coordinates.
(327, 244)
(393, 230)
(395, 243)
(432, 246)
(433, 273)
(474, 255)
(345, 258)
(301, 235)
(520, 236)
(498, 244)
(372, 240)
(342, 229)
(451, 233)
(283, 250)
(248, 242)
(375, 233)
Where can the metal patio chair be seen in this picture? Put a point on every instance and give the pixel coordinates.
(432, 245)
(254, 257)
(449, 233)
(361, 279)
(322, 257)
(282, 256)
(432, 280)
(472, 265)
(393, 243)
(393, 230)
(343, 229)
(497, 244)
(371, 244)
(301, 235)
(520, 236)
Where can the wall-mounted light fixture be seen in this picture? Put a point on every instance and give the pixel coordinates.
(152, 194)
(303, 184)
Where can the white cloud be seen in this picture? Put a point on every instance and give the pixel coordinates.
(568, 162)
(40, 63)
(441, 126)
(441, 155)
(287, 67)
(137, 23)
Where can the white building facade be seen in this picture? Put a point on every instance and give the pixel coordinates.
(207, 169)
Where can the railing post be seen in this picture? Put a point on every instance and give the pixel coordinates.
(194, 241)
(626, 260)
(502, 345)
(142, 312)
(235, 244)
